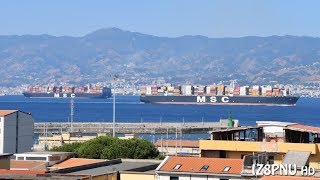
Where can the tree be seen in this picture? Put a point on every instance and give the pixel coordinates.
(107, 147)
(72, 147)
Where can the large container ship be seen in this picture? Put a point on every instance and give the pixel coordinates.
(218, 95)
(67, 92)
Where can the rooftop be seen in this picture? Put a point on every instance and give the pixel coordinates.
(202, 165)
(4, 171)
(288, 178)
(303, 128)
(269, 131)
(73, 162)
(274, 123)
(27, 165)
(5, 155)
(6, 112)
(174, 143)
(33, 174)
(121, 165)
(43, 153)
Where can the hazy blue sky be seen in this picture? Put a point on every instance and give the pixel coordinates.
(170, 18)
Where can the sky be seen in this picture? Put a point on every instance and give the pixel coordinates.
(166, 18)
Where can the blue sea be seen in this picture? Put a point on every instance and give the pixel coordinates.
(130, 109)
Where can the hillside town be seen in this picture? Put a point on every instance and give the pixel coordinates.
(123, 87)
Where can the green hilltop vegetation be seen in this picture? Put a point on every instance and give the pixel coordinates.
(107, 147)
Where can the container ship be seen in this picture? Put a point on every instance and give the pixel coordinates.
(218, 95)
(68, 92)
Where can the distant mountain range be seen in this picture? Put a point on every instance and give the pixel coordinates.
(44, 59)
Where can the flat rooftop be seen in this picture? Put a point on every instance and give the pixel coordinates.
(124, 165)
(44, 153)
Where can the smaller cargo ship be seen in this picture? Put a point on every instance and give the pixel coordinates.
(88, 91)
(218, 95)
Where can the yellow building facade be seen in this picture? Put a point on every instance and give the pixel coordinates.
(236, 142)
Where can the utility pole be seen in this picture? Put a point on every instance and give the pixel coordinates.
(71, 113)
(176, 140)
(167, 139)
(115, 77)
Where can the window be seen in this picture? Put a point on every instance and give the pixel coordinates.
(242, 155)
(20, 158)
(174, 178)
(226, 169)
(223, 154)
(177, 167)
(36, 158)
(271, 159)
(55, 158)
(204, 168)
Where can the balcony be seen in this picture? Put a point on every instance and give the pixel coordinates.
(249, 146)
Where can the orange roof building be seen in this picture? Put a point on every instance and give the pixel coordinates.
(28, 165)
(74, 162)
(6, 112)
(174, 166)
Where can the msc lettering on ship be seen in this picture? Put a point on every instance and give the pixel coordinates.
(213, 99)
(64, 95)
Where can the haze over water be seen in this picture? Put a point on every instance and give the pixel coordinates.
(130, 109)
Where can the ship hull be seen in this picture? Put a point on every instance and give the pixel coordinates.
(223, 100)
(67, 95)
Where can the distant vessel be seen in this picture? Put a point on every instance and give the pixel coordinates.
(218, 95)
(67, 92)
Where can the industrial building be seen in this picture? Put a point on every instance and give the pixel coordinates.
(16, 131)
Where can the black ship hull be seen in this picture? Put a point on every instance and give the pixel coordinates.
(67, 95)
(223, 100)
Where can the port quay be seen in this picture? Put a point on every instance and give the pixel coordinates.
(128, 128)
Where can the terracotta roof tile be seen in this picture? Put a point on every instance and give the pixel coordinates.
(73, 162)
(183, 143)
(6, 112)
(4, 171)
(299, 127)
(28, 165)
(194, 164)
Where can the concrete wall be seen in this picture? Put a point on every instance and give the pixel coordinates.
(4, 162)
(16, 138)
(172, 150)
(25, 134)
(9, 136)
(58, 140)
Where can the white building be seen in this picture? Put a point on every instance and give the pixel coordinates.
(46, 156)
(16, 131)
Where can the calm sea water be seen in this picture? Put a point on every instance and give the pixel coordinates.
(129, 109)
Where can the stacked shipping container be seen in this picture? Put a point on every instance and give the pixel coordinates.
(212, 90)
(65, 89)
